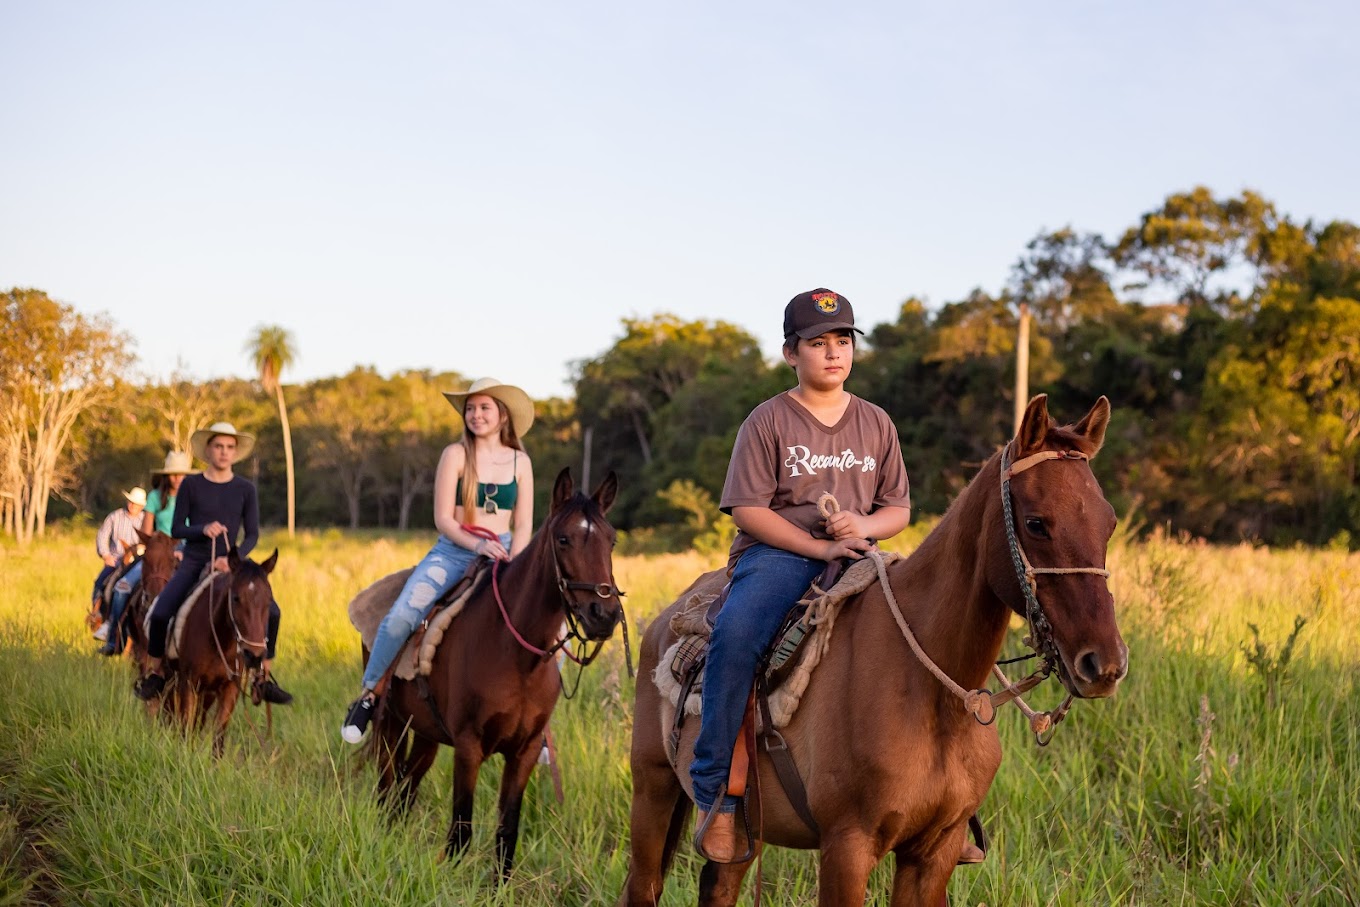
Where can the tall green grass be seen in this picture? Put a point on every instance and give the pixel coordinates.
(1187, 788)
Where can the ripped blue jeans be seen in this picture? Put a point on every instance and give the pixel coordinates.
(434, 575)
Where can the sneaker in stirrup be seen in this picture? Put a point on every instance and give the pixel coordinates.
(149, 687)
(357, 718)
(103, 632)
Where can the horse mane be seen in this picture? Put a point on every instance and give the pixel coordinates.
(969, 508)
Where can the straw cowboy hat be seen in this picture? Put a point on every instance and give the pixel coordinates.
(177, 463)
(136, 496)
(516, 401)
(245, 442)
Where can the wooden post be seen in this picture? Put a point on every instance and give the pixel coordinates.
(1022, 366)
(585, 457)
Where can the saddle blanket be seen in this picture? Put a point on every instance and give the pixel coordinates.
(690, 624)
(369, 607)
(178, 621)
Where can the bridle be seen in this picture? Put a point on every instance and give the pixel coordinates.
(604, 590)
(233, 672)
(982, 703)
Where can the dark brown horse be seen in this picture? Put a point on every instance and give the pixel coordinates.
(494, 682)
(158, 565)
(892, 761)
(224, 638)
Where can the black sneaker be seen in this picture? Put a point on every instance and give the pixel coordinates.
(270, 691)
(108, 648)
(357, 718)
(149, 687)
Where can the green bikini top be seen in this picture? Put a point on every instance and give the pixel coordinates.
(492, 497)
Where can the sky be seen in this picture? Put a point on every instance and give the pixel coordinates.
(492, 188)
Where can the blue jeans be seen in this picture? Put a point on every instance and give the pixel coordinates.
(104, 573)
(765, 585)
(434, 575)
(122, 591)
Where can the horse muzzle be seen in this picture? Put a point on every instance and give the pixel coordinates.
(596, 618)
(1096, 671)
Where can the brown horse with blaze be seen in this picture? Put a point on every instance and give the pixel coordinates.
(891, 760)
(494, 681)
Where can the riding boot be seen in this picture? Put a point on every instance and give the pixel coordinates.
(716, 836)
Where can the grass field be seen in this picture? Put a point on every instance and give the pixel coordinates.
(1195, 785)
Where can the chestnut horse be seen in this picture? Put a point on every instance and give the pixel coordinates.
(891, 760)
(158, 565)
(225, 637)
(494, 680)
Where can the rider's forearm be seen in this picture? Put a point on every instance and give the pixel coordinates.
(769, 527)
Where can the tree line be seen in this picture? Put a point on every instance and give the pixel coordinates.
(1226, 334)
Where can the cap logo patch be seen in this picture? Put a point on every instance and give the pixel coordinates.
(827, 303)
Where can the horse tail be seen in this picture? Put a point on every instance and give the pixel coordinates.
(675, 832)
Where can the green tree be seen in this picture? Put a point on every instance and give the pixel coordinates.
(623, 396)
(55, 366)
(271, 350)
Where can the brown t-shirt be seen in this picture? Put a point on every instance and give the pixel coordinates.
(785, 459)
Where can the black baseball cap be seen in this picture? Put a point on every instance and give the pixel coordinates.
(817, 312)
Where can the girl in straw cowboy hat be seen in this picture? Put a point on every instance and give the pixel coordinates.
(210, 510)
(159, 512)
(484, 480)
(117, 534)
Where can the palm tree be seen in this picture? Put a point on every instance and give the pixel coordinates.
(271, 349)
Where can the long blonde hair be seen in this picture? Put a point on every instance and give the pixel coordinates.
(469, 442)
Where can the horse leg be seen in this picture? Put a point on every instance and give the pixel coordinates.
(915, 883)
(225, 706)
(660, 813)
(720, 883)
(467, 764)
(514, 779)
(389, 747)
(847, 859)
(419, 758)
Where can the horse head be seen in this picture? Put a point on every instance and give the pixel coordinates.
(248, 604)
(159, 559)
(1050, 566)
(582, 545)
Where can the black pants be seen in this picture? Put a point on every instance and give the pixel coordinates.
(171, 599)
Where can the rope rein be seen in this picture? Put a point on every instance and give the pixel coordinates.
(982, 703)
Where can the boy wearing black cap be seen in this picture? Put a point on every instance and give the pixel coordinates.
(812, 439)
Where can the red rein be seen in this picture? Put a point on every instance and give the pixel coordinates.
(483, 533)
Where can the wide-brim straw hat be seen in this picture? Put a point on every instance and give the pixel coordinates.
(516, 401)
(136, 496)
(177, 463)
(245, 442)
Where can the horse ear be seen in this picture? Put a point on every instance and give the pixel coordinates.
(233, 560)
(608, 490)
(563, 489)
(1092, 425)
(1034, 426)
(145, 537)
(269, 565)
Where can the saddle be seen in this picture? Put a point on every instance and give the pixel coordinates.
(416, 659)
(790, 659)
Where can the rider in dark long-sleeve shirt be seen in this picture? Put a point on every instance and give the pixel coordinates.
(211, 509)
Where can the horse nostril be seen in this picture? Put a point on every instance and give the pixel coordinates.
(1088, 666)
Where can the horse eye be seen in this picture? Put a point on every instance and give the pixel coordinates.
(1036, 526)
(562, 540)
